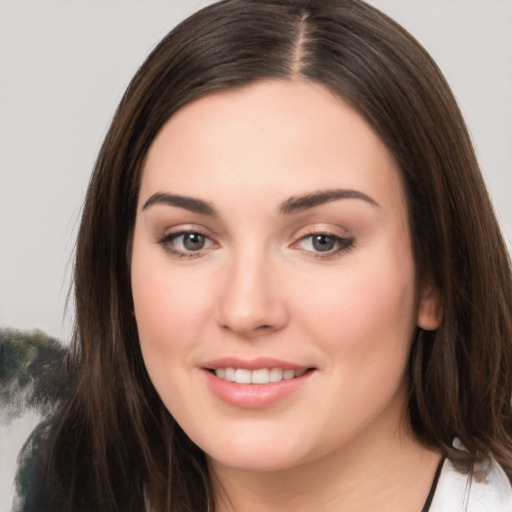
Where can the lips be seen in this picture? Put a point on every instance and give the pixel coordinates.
(257, 383)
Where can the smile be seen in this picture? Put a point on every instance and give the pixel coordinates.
(258, 376)
(256, 383)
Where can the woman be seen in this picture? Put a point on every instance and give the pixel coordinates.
(291, 288)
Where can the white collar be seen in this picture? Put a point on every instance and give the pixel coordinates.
(485, 489)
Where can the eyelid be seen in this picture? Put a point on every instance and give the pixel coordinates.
(344, 240)
(166, 238)
(321, 229)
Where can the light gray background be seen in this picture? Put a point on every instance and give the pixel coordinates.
(63, 67)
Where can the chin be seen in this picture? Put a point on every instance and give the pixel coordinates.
(257, 453)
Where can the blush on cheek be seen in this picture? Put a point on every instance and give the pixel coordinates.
(375, 314)
(169, 311)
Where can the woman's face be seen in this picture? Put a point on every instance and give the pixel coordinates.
(272, 241)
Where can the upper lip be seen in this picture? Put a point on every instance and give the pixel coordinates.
(253, 364)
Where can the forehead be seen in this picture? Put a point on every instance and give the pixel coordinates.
(273, 138)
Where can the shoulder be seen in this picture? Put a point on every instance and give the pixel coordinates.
(485, 489)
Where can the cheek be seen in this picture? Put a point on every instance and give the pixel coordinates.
(364, 322)
(168, 305)
(169, 309)
(364, 312)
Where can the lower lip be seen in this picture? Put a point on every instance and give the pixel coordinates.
(254, 396)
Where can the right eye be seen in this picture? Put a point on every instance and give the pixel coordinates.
(186, 244)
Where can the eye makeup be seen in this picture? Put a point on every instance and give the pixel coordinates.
(187, 242)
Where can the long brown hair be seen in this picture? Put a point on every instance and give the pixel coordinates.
(113, 445)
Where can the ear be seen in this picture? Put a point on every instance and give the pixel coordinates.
(430, 310)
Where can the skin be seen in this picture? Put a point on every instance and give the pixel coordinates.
(259, 287)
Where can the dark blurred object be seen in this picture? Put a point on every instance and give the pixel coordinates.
(35, 374)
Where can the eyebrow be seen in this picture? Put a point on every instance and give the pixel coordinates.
(187, 203)
(292, 205)
(305, 202)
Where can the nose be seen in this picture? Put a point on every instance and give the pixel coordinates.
(253, 299)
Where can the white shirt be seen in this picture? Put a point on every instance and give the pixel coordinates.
(485, 489)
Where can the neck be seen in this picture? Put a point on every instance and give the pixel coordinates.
(392, 474)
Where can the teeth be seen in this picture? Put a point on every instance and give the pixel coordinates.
(260, 376)
(242, 376)
(276, 374)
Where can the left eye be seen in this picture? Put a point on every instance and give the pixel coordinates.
(324, 243)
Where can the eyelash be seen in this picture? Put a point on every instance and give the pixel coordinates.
(342, 244)
(168, 240)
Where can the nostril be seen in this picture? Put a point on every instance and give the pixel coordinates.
(264, 328)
